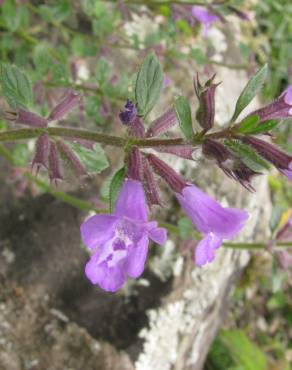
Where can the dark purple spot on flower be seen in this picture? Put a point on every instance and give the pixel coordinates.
(119, 244)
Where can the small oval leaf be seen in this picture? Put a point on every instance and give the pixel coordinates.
(184, 116)
(16, 86)
(253, 86)
(148, 84)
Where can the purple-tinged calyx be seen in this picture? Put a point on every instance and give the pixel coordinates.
(28, 118)
(136, 128)
(134, 171)
(231, 165)
(205, 17)
(206, 96)
(281, 160)
(212, 220)
(71, 158)
(175, 181)
(150, 185)
(183, 151)
(69, 102)
(162, 123)
(129, 113)
(42, 149)
(54, 164)
(119, 241)
(280, 108)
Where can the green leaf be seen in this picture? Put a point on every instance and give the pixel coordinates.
(251, 125)
(20, 155)
(185, 227)
(247, 124)
(253, 86)
(14, 16)
(252, 159)
(115, 186)
(148, 84)
(94, 160)
(42, 58)
(184, 116)
(265, 126)
(244, 352)
(16, 86)
(102, 71)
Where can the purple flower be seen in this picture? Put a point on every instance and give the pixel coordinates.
(280, 108)
(130, 112)
(120, 241)
(204, 17)
(211, 219)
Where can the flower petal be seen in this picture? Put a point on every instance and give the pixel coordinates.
(131, 201)
(109, 279)
(137, 254)
(158, 235)
(205, 250)
(287, 173)
(97, 230)
(208, 215)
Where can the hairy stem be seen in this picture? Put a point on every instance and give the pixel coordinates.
(29, 133)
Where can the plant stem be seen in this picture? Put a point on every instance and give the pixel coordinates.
(64, 197)
(28, 133)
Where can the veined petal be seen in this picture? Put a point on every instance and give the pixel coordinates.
(205, 250)
(98, 229)
(131, 202)
(109, 279)
(137, 254)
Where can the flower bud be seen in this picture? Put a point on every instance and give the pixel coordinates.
(41, 152)
(54, 164)
(150, 185)
(280, 108)
(126, 116)
(70, 101)
(281, 160)
(71, 158)
(206, 95)
(135, 164)
(26, 118)
(176, 182)
(162, 123)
